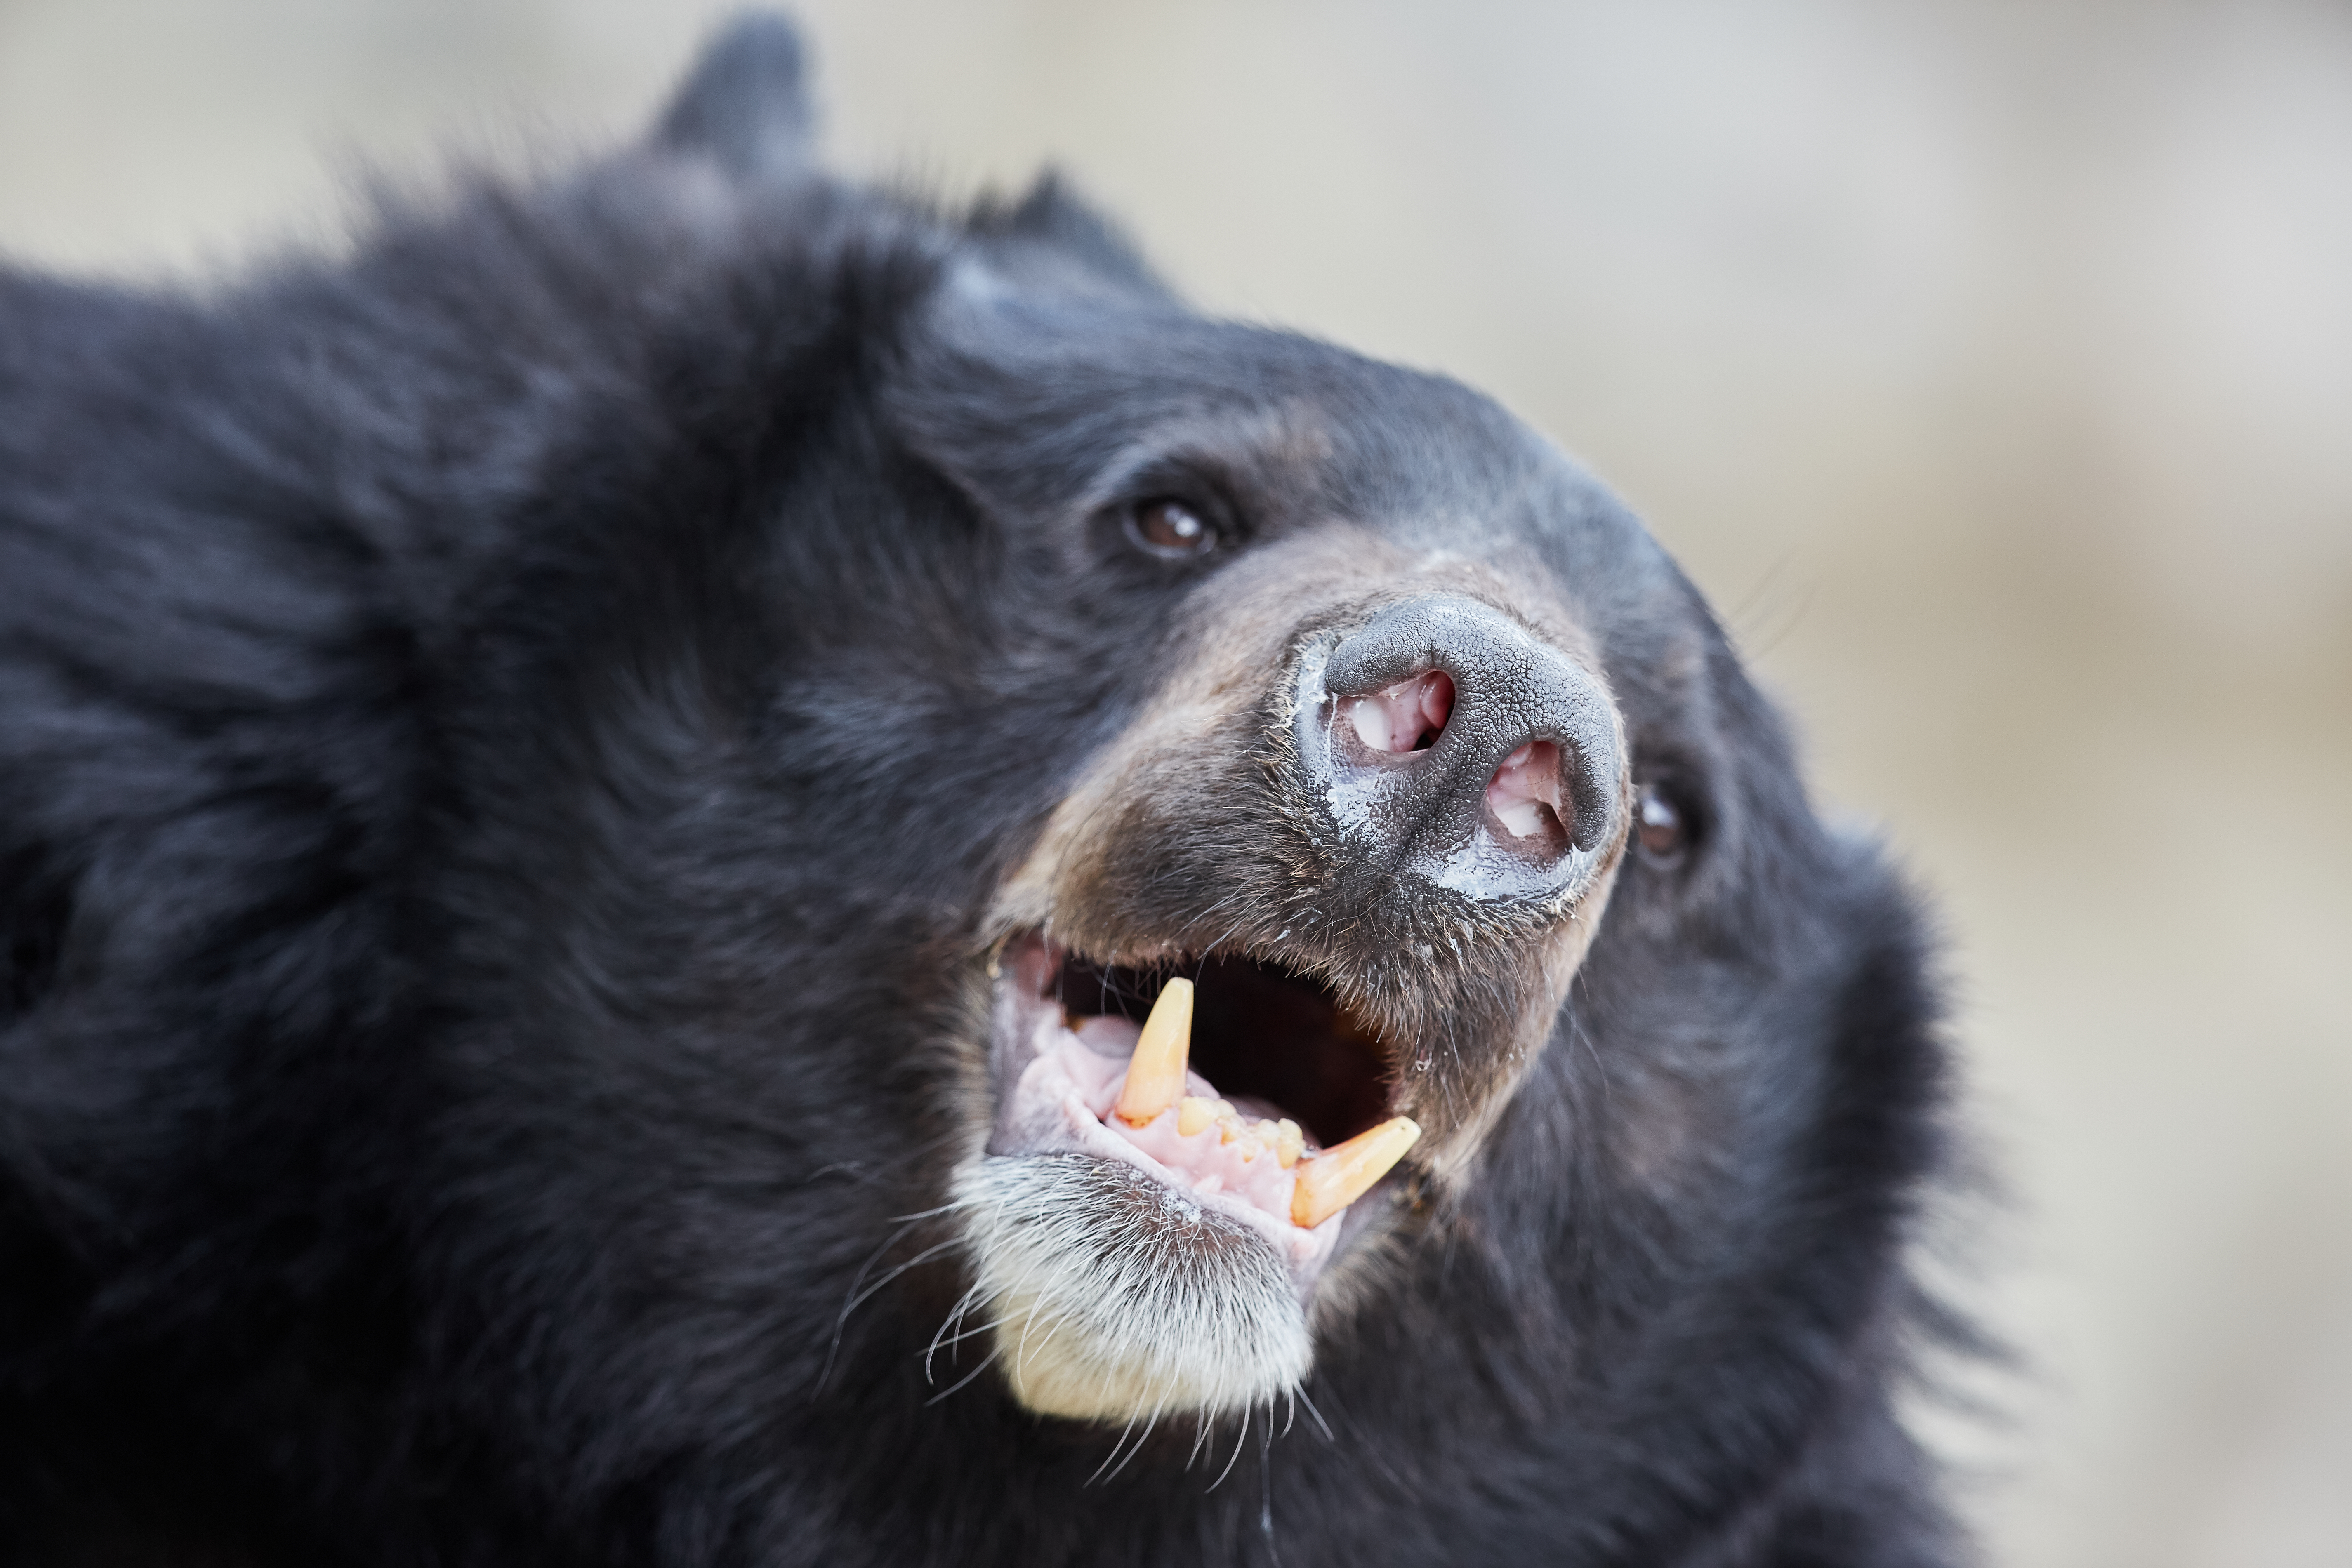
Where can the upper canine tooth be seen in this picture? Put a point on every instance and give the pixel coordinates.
(1155, 1074)
(1340, 1175)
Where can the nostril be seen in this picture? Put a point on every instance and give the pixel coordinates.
(1525, 794)
(1445, 739)
(1407, 716)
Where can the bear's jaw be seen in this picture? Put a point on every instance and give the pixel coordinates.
(1066, 1039)
(1158, 1263)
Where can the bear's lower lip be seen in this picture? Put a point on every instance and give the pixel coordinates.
(1279, 1048)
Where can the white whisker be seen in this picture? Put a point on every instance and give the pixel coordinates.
(1241, 1438)
(961, 1381)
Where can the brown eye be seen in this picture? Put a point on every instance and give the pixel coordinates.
(1170, 527)
(1660, 825)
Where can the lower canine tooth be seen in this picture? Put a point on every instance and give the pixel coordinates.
(1339, 1177)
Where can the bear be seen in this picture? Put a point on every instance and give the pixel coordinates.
(702, 864)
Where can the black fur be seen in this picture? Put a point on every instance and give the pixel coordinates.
(506, 744)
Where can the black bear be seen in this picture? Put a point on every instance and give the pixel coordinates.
(704, 866)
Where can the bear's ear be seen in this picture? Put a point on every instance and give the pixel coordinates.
(746, 104)
(1052, 226)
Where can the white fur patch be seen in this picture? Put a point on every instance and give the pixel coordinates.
(1118, 1297)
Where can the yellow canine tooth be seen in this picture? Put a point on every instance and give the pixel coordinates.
(1339, 1177)
(1195, 1113)
(1155, 1074)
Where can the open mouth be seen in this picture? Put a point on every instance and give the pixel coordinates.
(1234, 1086)
(1193, 1154)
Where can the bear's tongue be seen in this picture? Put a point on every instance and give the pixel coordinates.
(1208, 1143)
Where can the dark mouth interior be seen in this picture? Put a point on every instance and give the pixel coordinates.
(1258, 1031)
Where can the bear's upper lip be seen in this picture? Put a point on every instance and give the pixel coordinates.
(1270, 1043)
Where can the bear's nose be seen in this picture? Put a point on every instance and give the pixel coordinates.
(1451, 742)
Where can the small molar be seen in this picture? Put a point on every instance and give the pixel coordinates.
(1404, 717)
(1197, 1113)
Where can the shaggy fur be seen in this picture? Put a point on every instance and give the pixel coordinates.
(518, 753)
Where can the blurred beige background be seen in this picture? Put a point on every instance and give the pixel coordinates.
(1989, 362)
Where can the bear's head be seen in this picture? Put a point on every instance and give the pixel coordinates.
(1353, 778)
(826, 854)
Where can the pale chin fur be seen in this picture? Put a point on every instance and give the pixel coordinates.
(1116, 1297)
(1114, 1291)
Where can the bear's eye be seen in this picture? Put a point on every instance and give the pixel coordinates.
(1659, 826)
(1168, 526)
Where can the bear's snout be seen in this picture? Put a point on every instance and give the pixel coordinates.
(1453, 744)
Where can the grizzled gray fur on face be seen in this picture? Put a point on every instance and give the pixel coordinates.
(593, 799)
